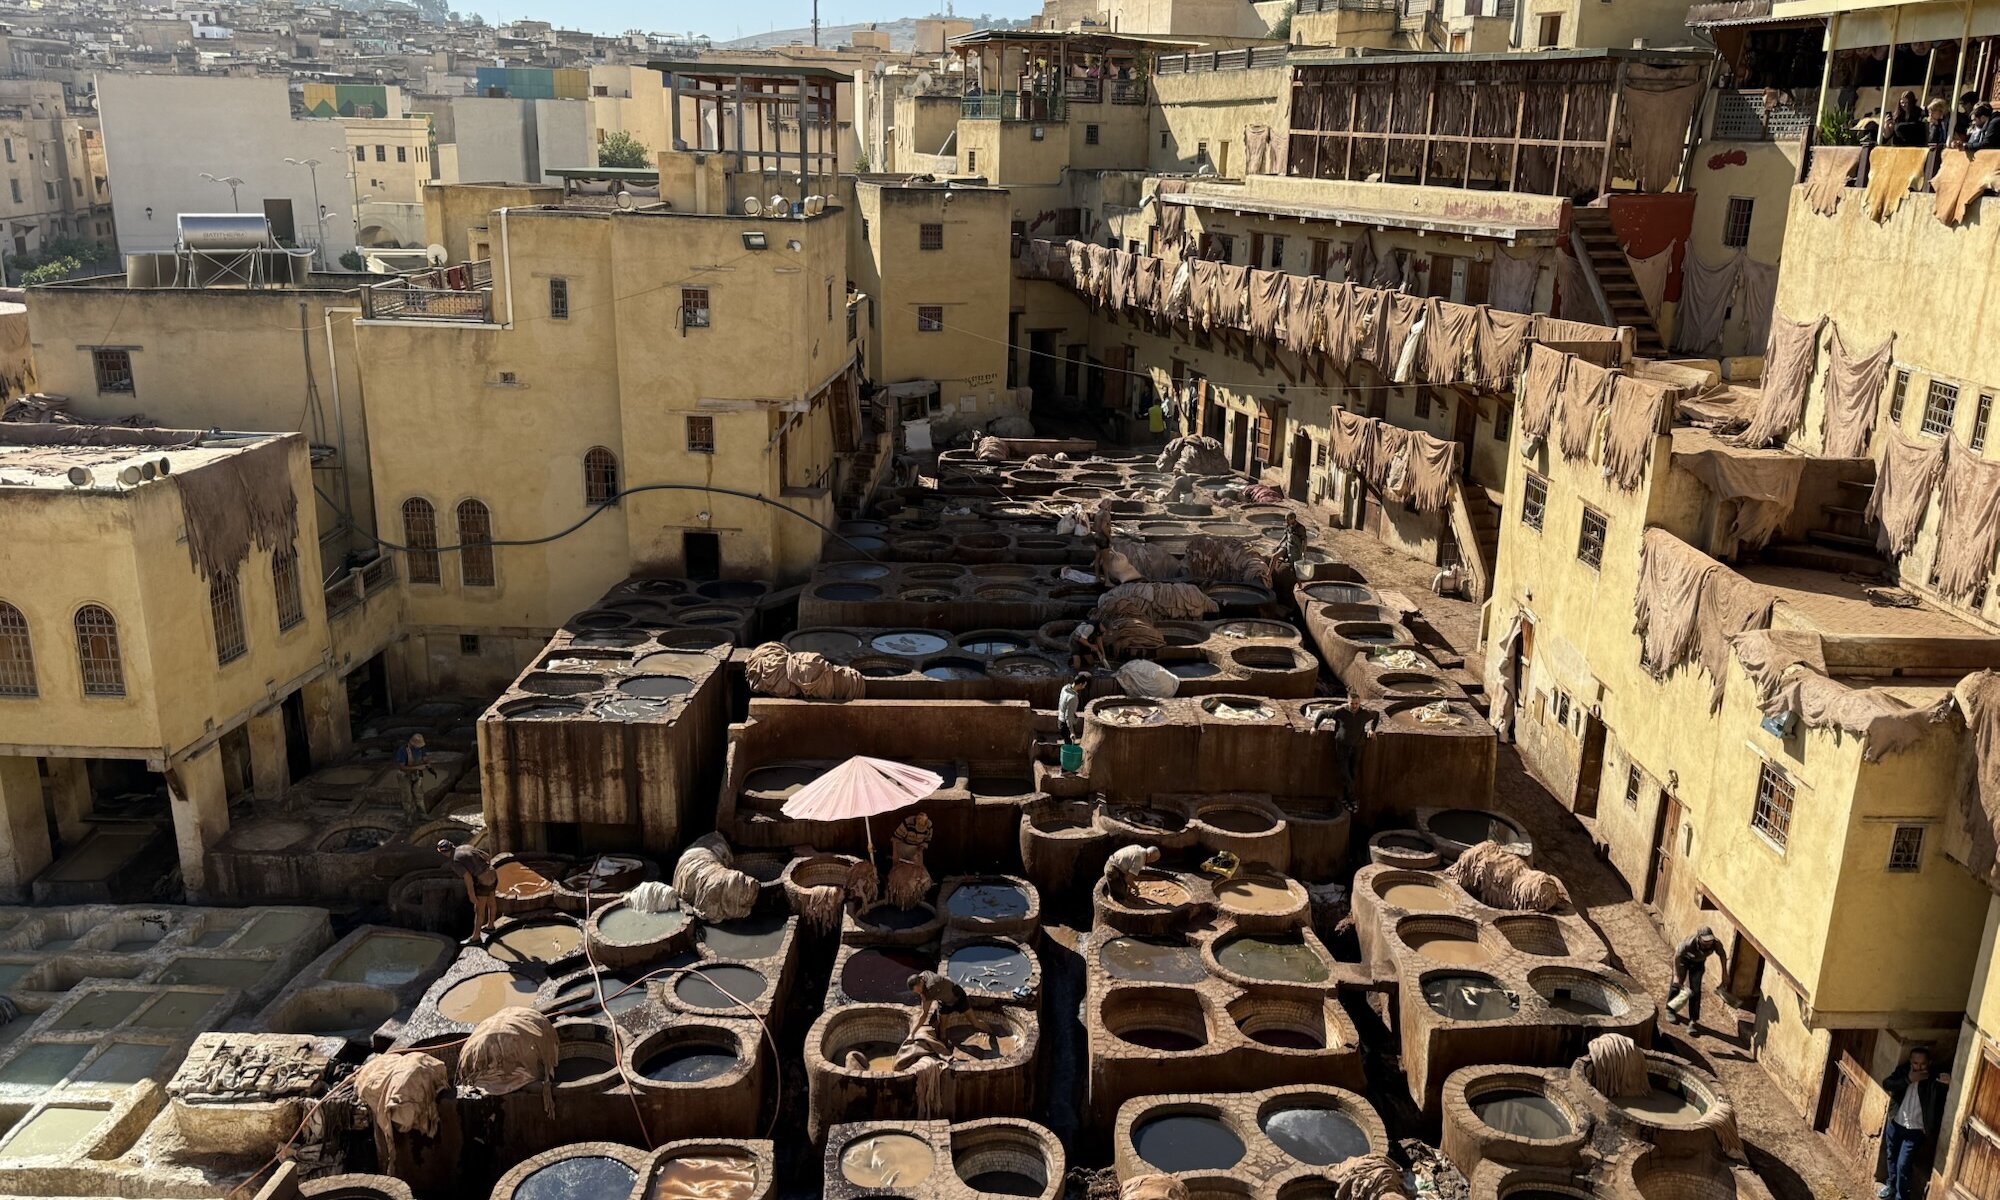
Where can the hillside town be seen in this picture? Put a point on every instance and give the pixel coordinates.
(1168, 600)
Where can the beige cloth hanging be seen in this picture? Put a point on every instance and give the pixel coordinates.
(1968, 525)
(1978, 698)
(1651, 275)
(1788, 368)
(1849, 395)
(1578, 301)
(1633, 422)
(1705, 295)
(1450, 347)
(1658, 103)
(1586, 388)
(1667, 599)
(1259, 156)
(1499, 337)
(1892, 172)
(1511, 284)
(1729, 605)
(1961, 179)
(1351, 441)
(1826, 180)
(1764, 484)
(1267, 303)
(1756, 301)
(1542, 390)
(1905, 477)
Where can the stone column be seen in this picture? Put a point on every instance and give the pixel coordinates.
(270, 769)
(201, 815)
(329, 728)
(69, 780)
(24, 827)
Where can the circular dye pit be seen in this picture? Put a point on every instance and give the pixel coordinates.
(720, 985)
(1667, 1103)
(1417, 897)
(1252, 628)
(1237, 710)
(779, 781)
(478, 997)
(1471, 826)
(691, 1062)
(586, 1177)
(1201, 669)
(555, 683)
(1581, 997)
(955, 668)
(1368, 633)
(888, 1160)
(987, 901)
(657, 687)
(991, 644)
(600, 619)
(1338, 593)
(1155, 889)
(1005, 1183)
(539, 941)
(708, 1175)
(539, 710)
(881, 975)
(850, 590)
(746, 937)
(631, 708)
(909, 642)
(1319, 1136)
(854, 570)
(888, 916)
(577, 1065)
(1255, 894)
(835, 643)
(1281, 958)
(989, 967)
(1521, 1113)
(1000, 785)
(1151, 961)
(1468, 997)
(519, 881)
(1236, 820)
(630, 927)
(622, 994)
(1458, 949)
(979, 1045)
(1187, 1142)
(1128, 713)
(1025, 666)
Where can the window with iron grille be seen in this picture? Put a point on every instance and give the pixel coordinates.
(701, 435)
(559, 299)
(475, 539)
(468, 644)
(1940, 402)
(420, 536)
(1090, 135)
(1590, 539)
(1772, 813)
(1980, 417)
(600, 476)
(97, 652)
(1503, 421)
(930, 318)
(1906, 848)
(971, 161)
(694, 308)
(930, 237)
(381, 154)
(1164, 135)
(285, 586)
(114, 370)
(1277, 254)
(225, 613)
(1736, 222)
(1423, 403)
(402, 154)
(17, 653)
(1632, 785)
(1897, 394)
(1534, 500)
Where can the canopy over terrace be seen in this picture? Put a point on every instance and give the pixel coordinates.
(1553, 122)
(1018, 75)
(1938, 51)
(727, 99)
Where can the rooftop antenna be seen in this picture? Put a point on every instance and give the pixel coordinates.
(815, 22)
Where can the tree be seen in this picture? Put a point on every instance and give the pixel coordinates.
(621, 149)
(1283, 27)
(353, 261)
(50, 271)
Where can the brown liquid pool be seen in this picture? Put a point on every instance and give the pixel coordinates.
(1418, 897)
(881, 975)
(1663, 1106)
(888, 1160)
(1152, 961)
(519, 881)
(1468, 997)
(1521, 1113)
(1449, 948)
(1236, 820)
(969, 1045)
(1255, 894)
(542, 942)
(748, 937)
(478, 997)
(630, 927)
(1159, 891)
(868, 1056)
(708, 1176)
(52, 1131)
(1287, 959)
(720, 985)
(1187, 1142)
(1319, 1136)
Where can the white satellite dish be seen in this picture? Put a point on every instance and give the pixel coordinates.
(436, 254)
(778, 204)
(752, 206)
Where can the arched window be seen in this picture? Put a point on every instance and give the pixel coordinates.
(17, 654)
(475, 555)
(97, 652)
(420, 534)
(600, 476)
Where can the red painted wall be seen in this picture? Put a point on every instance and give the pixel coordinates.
(1647, 223)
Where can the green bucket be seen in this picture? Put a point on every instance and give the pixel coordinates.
(1072, 757)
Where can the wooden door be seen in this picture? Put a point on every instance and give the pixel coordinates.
(1239, 441)
(1590, 772)
(1464, 427)
(1666, 849)
(1977, 1175)
(1299, 485)
(1118, 378)
(1846, 1116)
(1267, 454)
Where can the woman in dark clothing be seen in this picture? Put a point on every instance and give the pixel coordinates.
(1907, 126)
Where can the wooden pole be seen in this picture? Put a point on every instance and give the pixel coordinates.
(1889, 70)
(1826, 70)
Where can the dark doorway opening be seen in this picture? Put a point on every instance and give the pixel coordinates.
(701, 553)
(298, 746)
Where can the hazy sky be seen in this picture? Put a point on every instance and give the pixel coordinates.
(730, 19)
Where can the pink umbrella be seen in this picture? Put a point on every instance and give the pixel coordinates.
(862, 787)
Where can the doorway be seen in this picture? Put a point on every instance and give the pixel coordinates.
(1666, 837)
(1845, 1094)
(1465, 426)
(1299, 482)
(1042, 364)
(701, 554)
(1212, 413)
(1239, 440)
(298, 746)
(1590, 771)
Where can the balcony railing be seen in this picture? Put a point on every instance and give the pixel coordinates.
(460, 293)
(1128, 91)
(1083, 91)
(1327, 6)
(1234, 60)
(351, 589)
(1047, 105)
(1754, 115)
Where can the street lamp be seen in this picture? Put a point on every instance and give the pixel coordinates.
(232, 182)
(312, 167)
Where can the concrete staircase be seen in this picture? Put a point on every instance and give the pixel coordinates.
(857, 487)
(1844, 542)
(1483, 510)
(1614, 276)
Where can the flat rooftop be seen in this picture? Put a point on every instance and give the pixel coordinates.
(1526, 233)
(1839, 605)
(41, 457)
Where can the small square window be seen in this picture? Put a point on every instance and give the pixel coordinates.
(1897, 394)
(694, 308)
(114, 370)
(1736, 222)
(930, 237)
(468, 644)
(1090, 135)
(1940, 404)
(1534, 501)
(1561, 708)
(1771, 815)
(1423, 401)
(701, 435)
(1906, 848)
(1590, 539)
(1164, 135)
(1632, 785)
(558, 299)
(930, 318)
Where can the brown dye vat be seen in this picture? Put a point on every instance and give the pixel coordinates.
(780, 781)
(674, 662)
(1151, 961)
(1417, 897)
(974, 1045)
(1279, 958)
(1472, 827)
(707, 1176)
(521, 882)
(1255, 894)
(882, 976)
(1157, 891)
(1663, 1105)
(1449, 948)
(1236, 820)
(543, 942)
(657, 687)
(1521, 1113)
(478, 997)
(888, 1160)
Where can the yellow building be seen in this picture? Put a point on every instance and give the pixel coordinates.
(190, 662)
(388, 164)
(690, 349)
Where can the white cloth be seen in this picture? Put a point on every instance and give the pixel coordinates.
(1130, 861)
(1068, 704)
(1910, 1113)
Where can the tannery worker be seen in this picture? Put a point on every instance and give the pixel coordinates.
(475, 869)
(412, 760)
(1690, 961)
(1126, 864)
(1353, 724)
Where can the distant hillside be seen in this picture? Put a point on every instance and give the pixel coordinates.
(902, 34)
